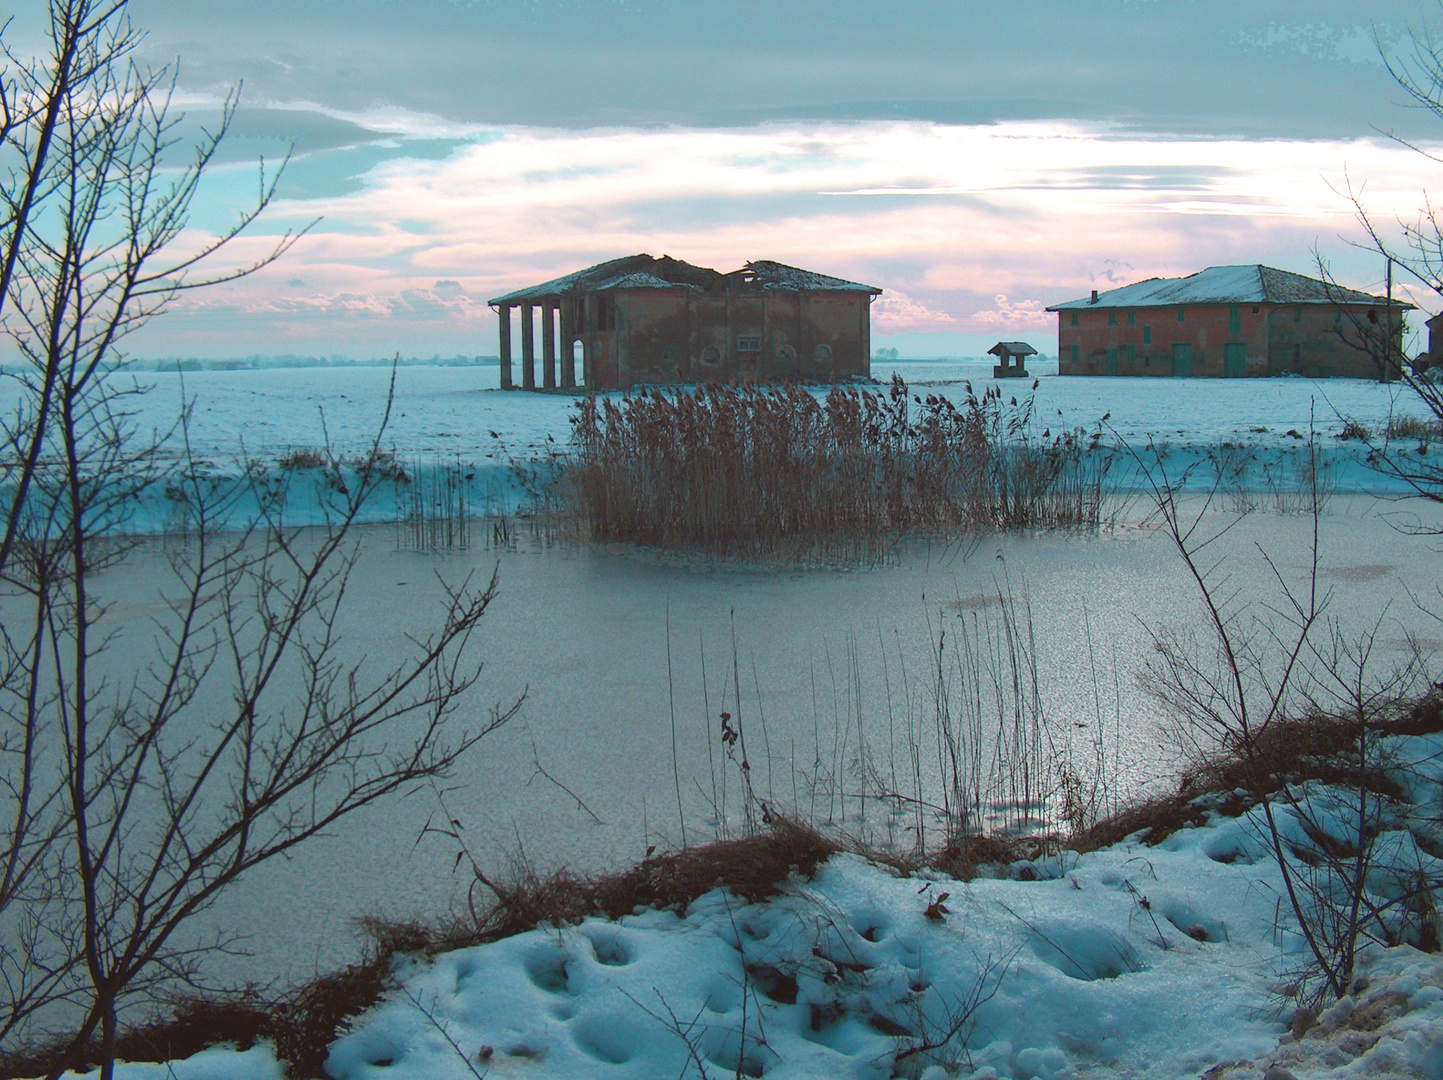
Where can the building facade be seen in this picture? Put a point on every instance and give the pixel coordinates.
(642, 320)
(1232, 322)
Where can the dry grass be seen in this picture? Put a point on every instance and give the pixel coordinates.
(1414, 427)
(768, 470)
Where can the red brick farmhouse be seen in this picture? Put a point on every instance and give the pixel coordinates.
(1231, 321)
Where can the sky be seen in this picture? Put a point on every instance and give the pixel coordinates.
(976, 161)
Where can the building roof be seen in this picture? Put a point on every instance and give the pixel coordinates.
(645, 272)
(1249, 284)
(775, 275)
(1012, 348)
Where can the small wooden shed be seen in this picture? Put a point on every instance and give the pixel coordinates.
(1005, 351)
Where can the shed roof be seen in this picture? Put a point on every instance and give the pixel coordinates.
(645, 272)
(1012, 348)
(1248, 284)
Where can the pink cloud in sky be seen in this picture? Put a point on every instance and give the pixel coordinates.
(951, 221)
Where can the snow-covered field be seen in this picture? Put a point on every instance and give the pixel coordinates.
(1162, 962)
(445, 415)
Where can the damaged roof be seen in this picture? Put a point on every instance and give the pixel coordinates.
(1248, 284)
(645, 272)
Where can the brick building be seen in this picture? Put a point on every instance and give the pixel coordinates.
(644, 320)
(1231, 321)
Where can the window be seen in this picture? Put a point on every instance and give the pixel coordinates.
(1132, 318)
(711, 356)
(602, 313)
(823, 355)
(1235, 320)
(749, 344)
(1182, 314)
(1074, 318)
(786, 353)
(1147, 335)
(1297, 314)
(1112, 318)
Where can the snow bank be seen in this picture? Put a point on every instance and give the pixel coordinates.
(1133, 961)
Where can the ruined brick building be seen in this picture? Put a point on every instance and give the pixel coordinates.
(645, 320)
(1231, 321)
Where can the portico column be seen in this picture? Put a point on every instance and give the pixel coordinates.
(503, 311)
(568, 335)
(528, 349)
(588, 361)
(548, 344)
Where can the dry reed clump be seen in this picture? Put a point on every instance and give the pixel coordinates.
(1413, 427)
(758, 470)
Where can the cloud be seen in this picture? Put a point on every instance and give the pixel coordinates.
(896, 311)
(1008, 314)
(416, 245)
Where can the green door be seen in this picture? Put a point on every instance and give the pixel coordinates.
(1112, 361)
(1182, 360)
(1235, 360)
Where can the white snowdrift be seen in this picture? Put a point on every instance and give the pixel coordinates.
(1133, 961)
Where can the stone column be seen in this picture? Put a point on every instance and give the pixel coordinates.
(568, 335)
(504, 342)
(588, 367)
(548, 344)
(528, 348)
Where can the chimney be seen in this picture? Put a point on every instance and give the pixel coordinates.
(1094, 296)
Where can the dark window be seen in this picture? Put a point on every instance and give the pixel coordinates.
(1235, 320)
(749, 344)
(1147, 335)
(1297, 314)
(1074, 318)
(1112, 318)
(711, 356)
(823, 355)
(786, 353)
(1182, 314)
(1132, 318)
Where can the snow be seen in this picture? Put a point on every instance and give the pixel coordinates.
(444, 416)
(1133, 961)
(1246, 284)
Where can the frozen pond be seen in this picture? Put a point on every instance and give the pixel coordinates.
(837, 688)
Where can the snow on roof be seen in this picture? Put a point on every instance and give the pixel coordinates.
(775, 275)
(645, 272)
(1013, 348)
(1250, 284)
